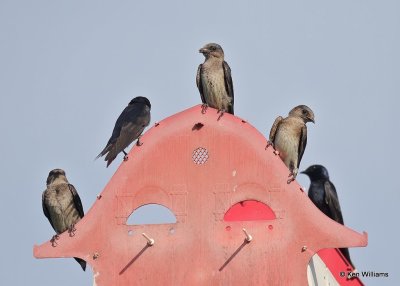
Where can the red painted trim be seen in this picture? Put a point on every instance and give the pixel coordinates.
(337, 263)
(249, 210)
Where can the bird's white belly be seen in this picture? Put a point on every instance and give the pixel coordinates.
(214, 90)
(287, 147)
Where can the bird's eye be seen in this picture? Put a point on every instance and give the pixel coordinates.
(212, 48)
(304, 111)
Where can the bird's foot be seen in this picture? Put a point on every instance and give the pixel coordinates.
(276, 152)
(221, 111)
(125, 155)
(292, 177)
(204, 107)
(138, 143)
(53, 240)
(71, 230)
(269, 143)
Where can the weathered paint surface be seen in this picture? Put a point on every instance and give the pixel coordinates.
(199, 167)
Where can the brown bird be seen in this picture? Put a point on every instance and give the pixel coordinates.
(62, 206)
(322, 193)
(289, 137)
(214, 80)
(129, 127)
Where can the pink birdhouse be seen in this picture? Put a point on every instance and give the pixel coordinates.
(238, 222)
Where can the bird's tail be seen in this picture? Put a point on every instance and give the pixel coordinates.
(111, 154)
(102, 153)
(81, 262)
(110, 157)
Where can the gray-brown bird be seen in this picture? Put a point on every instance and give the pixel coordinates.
(62, 206)
(289, 137)
(214, 80)
(129, 127)
(323, 194)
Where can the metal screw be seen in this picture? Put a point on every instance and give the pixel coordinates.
(304, 248)
(95, 255)
(248, 236)
(150, 241)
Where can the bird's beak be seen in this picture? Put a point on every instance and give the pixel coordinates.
(203, 50)
(303, 172)
(312, 120)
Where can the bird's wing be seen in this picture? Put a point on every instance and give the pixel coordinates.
(124, 117)
(77, 200)
(46, 211)
(228, 84)
(129, 132)
(116, 131)
(274, 128)
(199, 83)
(331, 199)
(302, 144)
(135, 120)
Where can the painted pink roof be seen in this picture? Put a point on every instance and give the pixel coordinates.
(199, 167)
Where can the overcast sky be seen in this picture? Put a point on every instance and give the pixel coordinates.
(67, 70)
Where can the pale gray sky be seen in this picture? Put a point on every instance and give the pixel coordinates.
(67, 69)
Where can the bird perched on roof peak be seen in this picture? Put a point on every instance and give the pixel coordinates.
(214, 80)
(323, 194)
(62, 206)
(129, 127)
(289, 137)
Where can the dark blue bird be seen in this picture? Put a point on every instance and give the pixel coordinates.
(323, 194)
(129, 127)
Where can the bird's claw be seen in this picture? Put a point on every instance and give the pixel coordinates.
(276, 152)
(290, 180)
(138, 143)
(71, 230)
(269, 143)
(221, 111)
(53, 240)
(204, 107)
(292, 177)
(125, 155)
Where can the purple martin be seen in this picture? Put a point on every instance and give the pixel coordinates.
(129, 127)
(289, 137)
(323, 194)
(62, 206)
(214, 79)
